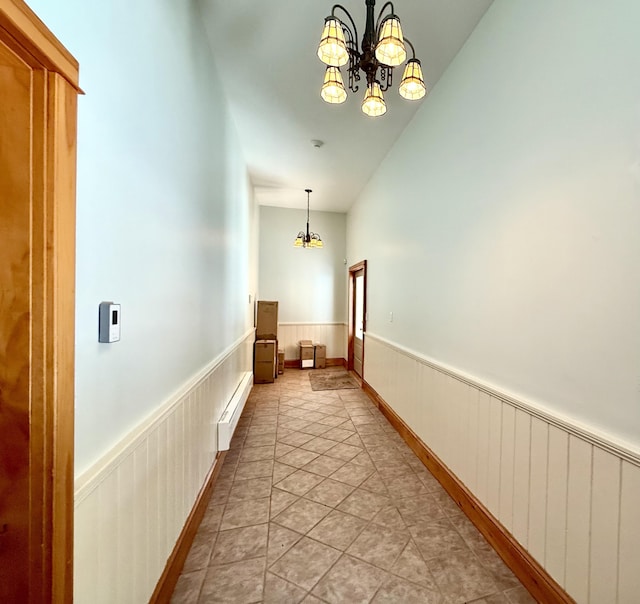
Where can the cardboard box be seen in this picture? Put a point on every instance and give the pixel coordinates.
(320, 356)
(280, 360)
(306, 354)
(266, 320)
(264, 361)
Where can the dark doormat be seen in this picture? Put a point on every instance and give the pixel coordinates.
(331, 380)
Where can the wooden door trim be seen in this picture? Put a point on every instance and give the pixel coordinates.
(30, 33)
(51, 314)
(362, 265)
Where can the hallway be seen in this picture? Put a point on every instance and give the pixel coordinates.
(320, 500)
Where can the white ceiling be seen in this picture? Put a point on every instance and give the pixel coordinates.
(266, 58)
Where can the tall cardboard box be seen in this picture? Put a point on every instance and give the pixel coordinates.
(264, 361)
(320, 355)
(267, 320)
(280, 360)
(306, 354)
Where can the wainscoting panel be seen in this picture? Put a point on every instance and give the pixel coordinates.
(334, 335)
(131, 506)
(569, 496)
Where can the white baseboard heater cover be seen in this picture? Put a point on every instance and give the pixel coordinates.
(229, 419)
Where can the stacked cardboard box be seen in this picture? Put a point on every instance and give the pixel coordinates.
(320, 356)
(267, 320)
(265, 354)
(264, 361)
(306, 354)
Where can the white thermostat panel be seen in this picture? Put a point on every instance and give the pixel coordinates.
(109, 322)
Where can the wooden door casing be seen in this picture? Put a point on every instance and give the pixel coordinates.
(38, 87)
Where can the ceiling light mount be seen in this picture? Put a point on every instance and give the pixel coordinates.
(308, 239)
(383, 48)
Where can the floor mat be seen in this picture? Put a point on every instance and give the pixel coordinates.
(331, 380)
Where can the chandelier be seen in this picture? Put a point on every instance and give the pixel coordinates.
(308, 239)
(383, 48)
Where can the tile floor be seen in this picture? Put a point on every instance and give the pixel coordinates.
(320, 500)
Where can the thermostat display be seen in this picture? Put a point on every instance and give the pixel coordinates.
(109, 322)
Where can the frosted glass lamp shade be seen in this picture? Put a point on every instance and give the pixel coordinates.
(412, 85)
(333, 90)
(373, 104)
(390, 49)
(332, 49)
(299, 240)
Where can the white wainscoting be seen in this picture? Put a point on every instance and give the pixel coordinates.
(334, 335)
(131, 506)
(569, 495)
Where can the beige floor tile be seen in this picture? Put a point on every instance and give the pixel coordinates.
(245, 513)
(519, 595)
(298, 458)
(281, 471)
(379, 545)
(461, 577)
(279, 591)
(252, 488)
(200, 552)
(295, 439)
(338, 529)
(239, 544)
(437, 538)
(316, 429)
(260, 440)
(396, 590)
(256, 453)
(279, 542)
(235, 583)
(302, 515)
(343, 452)
(349, 581)
(254, 469)
(390, 516)
(299, 482)
(498, 598)
(188, 587)
(329, 492)
(331, 421)
(282, 449)
(337, 434)
(419, 509)
(411, 566)
(353, 474)
(280, 500)
(375, 484)
(324, 465)
(211, 519)
(364, 504)
(355, 441)
(318, 445)
(305, 563)
(502, 575)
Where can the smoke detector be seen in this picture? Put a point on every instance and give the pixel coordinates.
(317, 143)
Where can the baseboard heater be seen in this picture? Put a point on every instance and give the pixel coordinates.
(229, 419)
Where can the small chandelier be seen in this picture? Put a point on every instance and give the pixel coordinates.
(383, 48)
(308, 239)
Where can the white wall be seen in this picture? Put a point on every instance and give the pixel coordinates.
(505, 220)
(163, 210)
(309, 284)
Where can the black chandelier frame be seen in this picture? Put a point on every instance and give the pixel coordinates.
(366, 60)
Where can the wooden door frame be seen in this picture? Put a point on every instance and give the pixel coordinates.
(51, 318)
(362, 265)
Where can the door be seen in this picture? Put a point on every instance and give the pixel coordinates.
(37, 257)
(357, 316)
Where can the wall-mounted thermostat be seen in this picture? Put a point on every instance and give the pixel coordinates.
(109, 322)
